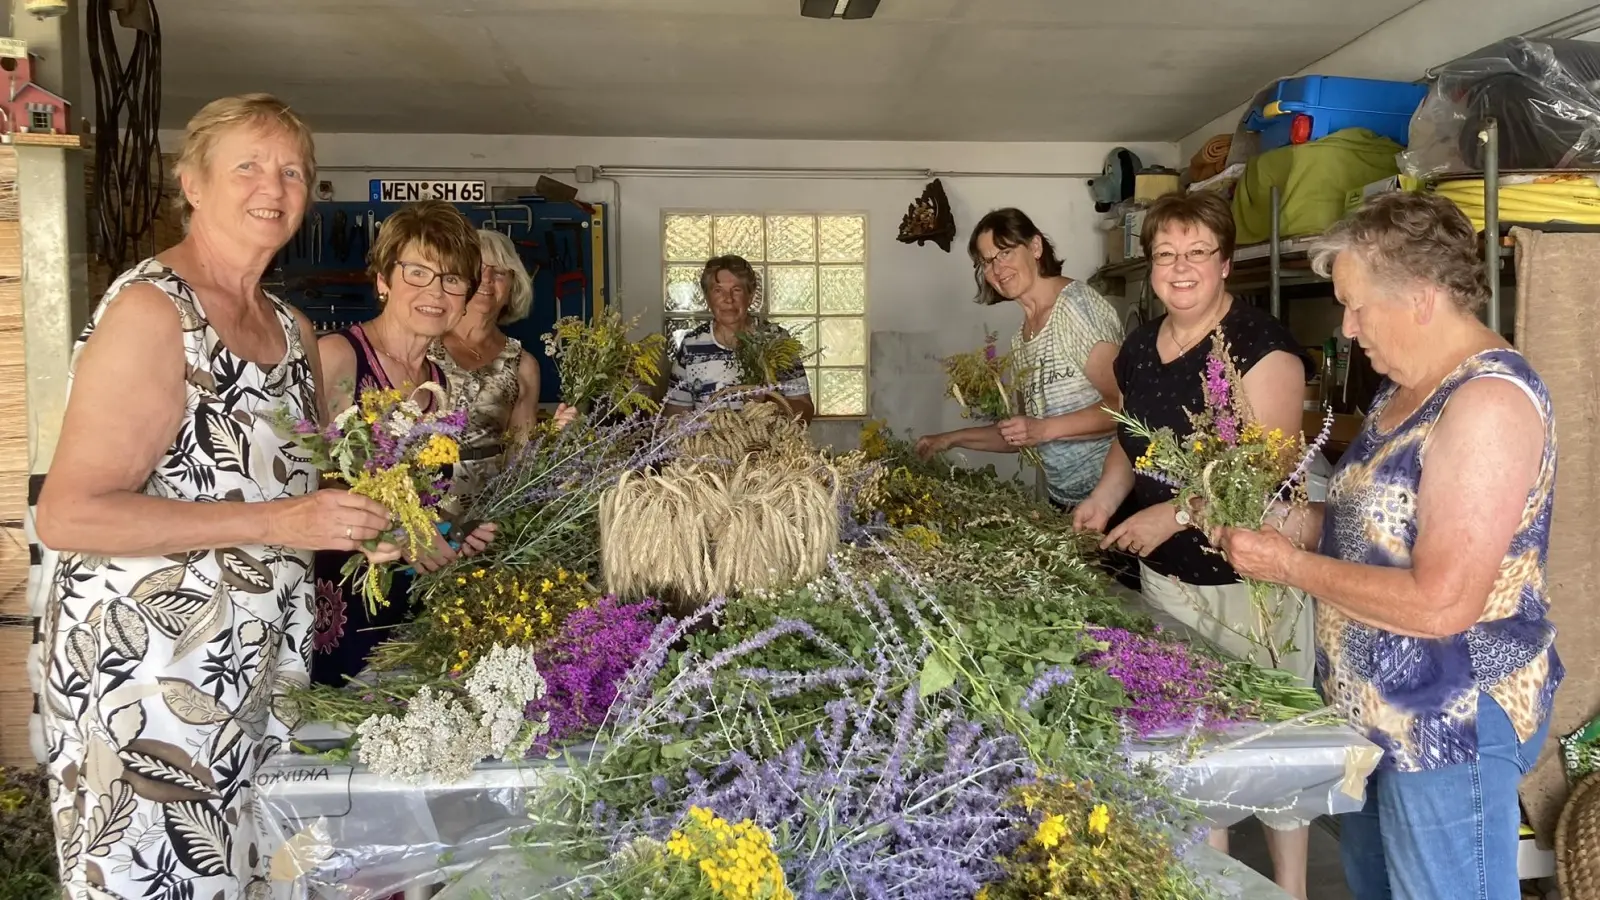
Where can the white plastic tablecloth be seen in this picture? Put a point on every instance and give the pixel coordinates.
(354, 835)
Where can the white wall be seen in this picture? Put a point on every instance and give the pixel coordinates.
(1406, 46)
(919, 298)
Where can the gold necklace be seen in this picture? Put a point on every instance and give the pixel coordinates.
(413, 378)
(1185, 348)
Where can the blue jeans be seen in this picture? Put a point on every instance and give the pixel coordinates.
(1444, 834)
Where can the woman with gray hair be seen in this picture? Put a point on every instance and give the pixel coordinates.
(1429, 560)
(706, 363)
(487, 371)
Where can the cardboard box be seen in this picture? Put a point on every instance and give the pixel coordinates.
(1116, 244)
(1132, 224)
(1147, 187)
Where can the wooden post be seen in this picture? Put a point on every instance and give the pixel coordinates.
(42, 195)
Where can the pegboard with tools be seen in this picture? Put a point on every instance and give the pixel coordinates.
(323, 269)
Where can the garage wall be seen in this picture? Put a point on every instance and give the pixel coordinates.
(1406, 46)
(919, 298)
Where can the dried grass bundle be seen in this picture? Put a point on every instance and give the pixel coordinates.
(730, 435)
(698, 531)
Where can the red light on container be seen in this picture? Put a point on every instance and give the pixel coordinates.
(1300, 129)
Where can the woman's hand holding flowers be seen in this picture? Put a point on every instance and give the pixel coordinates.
(1263, 555)
(1144, 531)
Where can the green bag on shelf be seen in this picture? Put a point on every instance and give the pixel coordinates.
(1312, 179)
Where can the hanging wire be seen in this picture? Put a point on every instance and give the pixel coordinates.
(127, 121)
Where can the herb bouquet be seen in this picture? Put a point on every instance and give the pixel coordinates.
(1236, 469)
(385, 447)
(984, 383)
(597, 362)
(765, 353)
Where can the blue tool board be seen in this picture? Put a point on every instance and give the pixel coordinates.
(323, 269)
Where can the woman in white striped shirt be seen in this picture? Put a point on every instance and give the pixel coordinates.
(1068, 340)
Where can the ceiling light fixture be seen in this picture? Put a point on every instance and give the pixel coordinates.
(838, 9)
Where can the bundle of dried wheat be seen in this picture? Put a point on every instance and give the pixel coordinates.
(731, 435)
(701, 531)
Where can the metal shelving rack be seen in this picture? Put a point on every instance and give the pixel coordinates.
(1288, 263)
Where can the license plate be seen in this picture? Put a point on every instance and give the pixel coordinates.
(389, 191)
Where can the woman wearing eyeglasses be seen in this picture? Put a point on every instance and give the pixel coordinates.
(489, 373)
(1189, 239)
(1068, 340)
(425, 263)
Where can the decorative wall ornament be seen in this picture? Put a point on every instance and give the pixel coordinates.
(928, 218)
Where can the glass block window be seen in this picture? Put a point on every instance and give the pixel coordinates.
(813, 270)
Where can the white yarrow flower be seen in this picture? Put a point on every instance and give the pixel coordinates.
(343, 419)
(440, 737)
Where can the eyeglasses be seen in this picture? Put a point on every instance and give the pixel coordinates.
(496, 274)
(1194, 256)
(988, 262)
(419, 275)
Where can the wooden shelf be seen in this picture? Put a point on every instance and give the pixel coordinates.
(66, 141)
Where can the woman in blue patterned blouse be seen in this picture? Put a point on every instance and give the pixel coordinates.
(1429, 568)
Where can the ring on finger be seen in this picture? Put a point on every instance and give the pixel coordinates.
(349, 533)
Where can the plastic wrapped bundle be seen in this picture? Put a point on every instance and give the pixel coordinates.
(1545, 96)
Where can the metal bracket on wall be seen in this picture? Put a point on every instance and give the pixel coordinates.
(496, 222)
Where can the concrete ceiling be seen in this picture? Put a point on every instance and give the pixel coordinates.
(920, 70)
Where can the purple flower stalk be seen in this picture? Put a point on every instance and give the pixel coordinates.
(1306, 458)
(1218, 390)
(1050, 679)
(1162, 477)
(1167, 685)
(1228, 430)
(584, 665)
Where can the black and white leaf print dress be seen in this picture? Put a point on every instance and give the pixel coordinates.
(161, 675)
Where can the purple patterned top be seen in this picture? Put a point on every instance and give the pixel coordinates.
(1417, 698)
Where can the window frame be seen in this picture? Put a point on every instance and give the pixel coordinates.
(812, 370)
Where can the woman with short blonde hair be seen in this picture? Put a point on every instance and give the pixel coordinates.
(489, 373)
(179, 527)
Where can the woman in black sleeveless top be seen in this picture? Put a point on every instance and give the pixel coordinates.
(426, 262)
(1188, 239)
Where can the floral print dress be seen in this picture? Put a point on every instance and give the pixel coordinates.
(489, 394)
(161, 674)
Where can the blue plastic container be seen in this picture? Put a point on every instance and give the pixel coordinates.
(1311, 107)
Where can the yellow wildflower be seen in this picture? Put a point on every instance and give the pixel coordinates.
(1099, 819)
(439, 451)
(394, 488)
(1051, 831)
